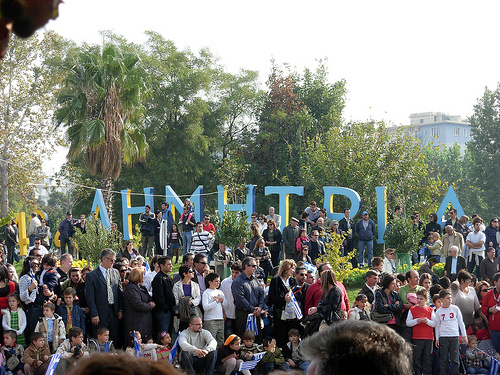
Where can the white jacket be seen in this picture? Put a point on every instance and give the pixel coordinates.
(21, 319)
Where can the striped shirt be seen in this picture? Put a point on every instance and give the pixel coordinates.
(201, 242)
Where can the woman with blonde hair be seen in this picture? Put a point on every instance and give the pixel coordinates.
(329, 307)
(279, 300)
(137, 305)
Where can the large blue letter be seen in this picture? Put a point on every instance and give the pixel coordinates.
(450, 197)
(283, 194)
(100, 208)
(249, 206)
(128, 210)
(353, 196)
(196, 200)
(381, 212)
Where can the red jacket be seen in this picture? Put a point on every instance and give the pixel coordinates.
(313, 296)
(491, 299)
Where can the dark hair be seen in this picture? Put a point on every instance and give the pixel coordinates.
(69, 291)
(236, 266)
(102, 330)
(27, 265)
(386, 281)
(444, 282)
(435, 289)
(185, 257)
(35, 336)
(50, 260)
(477, 219)
(246, 262)
(443, 293)
(11, 333)
(74, 332)
(371, 273)
(183, 270)
(165, 203)
(371, 347)
(293, 332)
(496, 276)
(199, 257)
(266, 341)
(16, 296)
(401, 277)
(361, 297)
(463, 275)
(249, 335)
(4, 273)
(376, 261)
(211, 277)
(434, 217)
(154, 260)
(422, 292)
(49, 305)
(163, 259)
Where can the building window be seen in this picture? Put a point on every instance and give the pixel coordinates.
(456, 132)
(435, 132)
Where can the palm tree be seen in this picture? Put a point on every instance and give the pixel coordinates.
(101, 106)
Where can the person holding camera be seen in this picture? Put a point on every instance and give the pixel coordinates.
(72, 349)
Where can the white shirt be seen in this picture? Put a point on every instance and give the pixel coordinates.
(147, 281)
(225, 287)
(212, 310)
(389, 266)
(477, 237)
(449, 322)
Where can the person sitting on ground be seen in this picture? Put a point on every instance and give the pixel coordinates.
(102, 344)
(198, 348)
(13, 353)
(273, 359)
(293, 354)
(229, 356)
(71, 350)
(37, 356)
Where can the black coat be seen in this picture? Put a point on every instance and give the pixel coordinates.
(137, 312)
(162, 292)
(276, 295)
(329, 306)
(394, 308)
(276, 238)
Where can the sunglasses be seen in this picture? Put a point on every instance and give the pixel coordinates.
(391, 253)
(484, 290)
(253, 265)
(203, 262)
(302, 274)
(192, 271)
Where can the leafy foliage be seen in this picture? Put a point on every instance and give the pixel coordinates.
(401, 235)
(231, 228)
(96, 239)
(340, 264)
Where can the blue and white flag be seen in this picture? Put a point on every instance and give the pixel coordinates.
(146, 268)
(54, 360)
(494, 367)
(171, 356)
(252, 324)
(137, 347)
(296, 306)
(250, 365)
(310, 267)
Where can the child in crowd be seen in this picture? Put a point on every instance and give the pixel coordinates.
(174, 242)
(449, 326)
(229, 357)
(436, 301)
(164, 340)
(378, 264)
(14, 318)
(52, 327)
(474, 358)
(213, 301)
(292, 354)
(72, 349)
(146, 350)
(71, 314)
(249, 347)
(273, 359)
(358, 311)
(37, 356)
(421, 318)
(435, 245)
(13, 353)
(102, 343)
(302, 239)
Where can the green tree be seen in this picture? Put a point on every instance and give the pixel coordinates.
(91, 243)
(28, 78)
(101, 105)
(484, 149)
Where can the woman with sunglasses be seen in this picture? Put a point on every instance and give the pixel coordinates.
(262, 224)
(186, 293)
(28, 286)
(272, 236)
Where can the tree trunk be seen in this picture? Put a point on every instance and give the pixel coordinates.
(4, 186)
(107, 184)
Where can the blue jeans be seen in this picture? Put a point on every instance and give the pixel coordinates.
(186, 241)
(476, 370)
(472, 263)
(163, 321)
(32, 239)
(361, 251)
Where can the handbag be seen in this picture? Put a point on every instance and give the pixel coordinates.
(381, 317)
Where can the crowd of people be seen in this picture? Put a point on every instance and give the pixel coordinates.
(258, 300)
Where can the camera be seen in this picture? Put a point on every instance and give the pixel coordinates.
(78, 351)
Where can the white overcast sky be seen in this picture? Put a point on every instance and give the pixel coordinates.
(398, 57)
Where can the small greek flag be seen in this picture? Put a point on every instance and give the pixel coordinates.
(309, 267)
(494, 367)
(171, 356)
(252, 324)
(137, 348)
(296, 306)
(54, 360)
(250, 365)
(146, 268)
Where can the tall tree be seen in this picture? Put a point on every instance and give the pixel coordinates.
(102, 108)
(484, 149)
(28, 78)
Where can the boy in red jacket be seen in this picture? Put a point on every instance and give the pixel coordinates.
(421, 318)
(490, 308)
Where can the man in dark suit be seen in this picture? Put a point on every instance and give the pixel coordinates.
(163, 296)
(104, 292)
(370, 288)
(454, 263)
